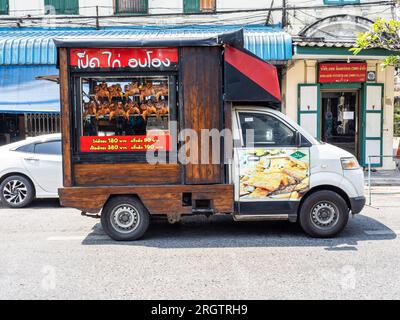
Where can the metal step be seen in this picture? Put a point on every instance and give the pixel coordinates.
(260, 217)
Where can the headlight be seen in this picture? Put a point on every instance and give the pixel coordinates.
(350, 163)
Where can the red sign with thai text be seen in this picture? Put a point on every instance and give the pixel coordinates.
(114, 58)
(342, 72)
(125, 143)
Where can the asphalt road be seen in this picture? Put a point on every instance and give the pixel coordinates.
(48, 252)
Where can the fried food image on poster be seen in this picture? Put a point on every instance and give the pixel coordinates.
(275, 174)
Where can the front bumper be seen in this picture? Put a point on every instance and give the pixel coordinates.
(357, 204)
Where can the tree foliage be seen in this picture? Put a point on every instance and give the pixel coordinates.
(383, 34)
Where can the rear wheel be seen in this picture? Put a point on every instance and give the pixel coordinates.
(16, 192)
(324, 214)
(125, 219)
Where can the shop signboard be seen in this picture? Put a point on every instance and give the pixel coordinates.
(342, 72)
(130, 58)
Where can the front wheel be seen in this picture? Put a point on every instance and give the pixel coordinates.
(125, 219)
(324, 214)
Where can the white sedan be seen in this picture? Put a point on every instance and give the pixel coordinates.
(30, 169)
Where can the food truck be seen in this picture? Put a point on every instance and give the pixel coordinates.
(190, 126)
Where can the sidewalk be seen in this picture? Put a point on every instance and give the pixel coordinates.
(383, 178)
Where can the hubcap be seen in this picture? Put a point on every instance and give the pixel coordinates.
(15, 192)
(325, 215)
(125, 218)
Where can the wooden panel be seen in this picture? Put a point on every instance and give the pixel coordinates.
(125, 174)
(201, 78)
(65, 118)
(162, 200)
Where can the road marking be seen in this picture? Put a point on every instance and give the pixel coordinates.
(78, 238)
(381, 232)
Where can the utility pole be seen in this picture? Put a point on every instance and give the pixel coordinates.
(97, 18)
(284, 13)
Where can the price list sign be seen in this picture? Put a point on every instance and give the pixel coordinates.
(125, 143)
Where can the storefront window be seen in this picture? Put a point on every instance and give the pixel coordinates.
(129, 114)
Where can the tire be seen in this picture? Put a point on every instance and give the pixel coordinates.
(324, 214)
(125, 219)
(16, 192)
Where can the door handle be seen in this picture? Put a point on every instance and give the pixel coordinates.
(31, 159)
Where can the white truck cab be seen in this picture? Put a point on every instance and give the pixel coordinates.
(281, 172)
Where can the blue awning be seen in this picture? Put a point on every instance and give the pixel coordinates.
(36, 47)
(20, 92)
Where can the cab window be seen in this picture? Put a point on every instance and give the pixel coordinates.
(266, 130)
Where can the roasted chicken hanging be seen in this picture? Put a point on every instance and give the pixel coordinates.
(147, 109)
(118, 111)
(109, 101)
(146, 90)
(104, 110)
(162, 108)
(115, 91)
(101, 92)
(131, 90)
(161, 91)
(131, 108)
(89, 109)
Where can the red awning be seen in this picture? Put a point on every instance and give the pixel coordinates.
(249, 78)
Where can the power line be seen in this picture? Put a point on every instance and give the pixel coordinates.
(224, 12)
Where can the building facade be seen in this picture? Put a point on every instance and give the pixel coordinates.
(340, 98)
(335, 95)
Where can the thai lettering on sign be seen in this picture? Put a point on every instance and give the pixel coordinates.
(342, 72)
(114, 58)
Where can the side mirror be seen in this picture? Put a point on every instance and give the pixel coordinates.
(298, 139)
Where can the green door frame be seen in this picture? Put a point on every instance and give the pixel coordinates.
(363, 114)
(317, 112)
(364, 111)
(351, 86)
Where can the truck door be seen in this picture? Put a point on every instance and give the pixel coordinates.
(271, 164)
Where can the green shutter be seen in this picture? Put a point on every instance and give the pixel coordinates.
(372, 124)
(191, 6)
(64, 6)
(309, 109)
(131, 7)
(3, 6)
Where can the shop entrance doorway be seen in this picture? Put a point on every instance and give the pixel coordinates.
(340, 119)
